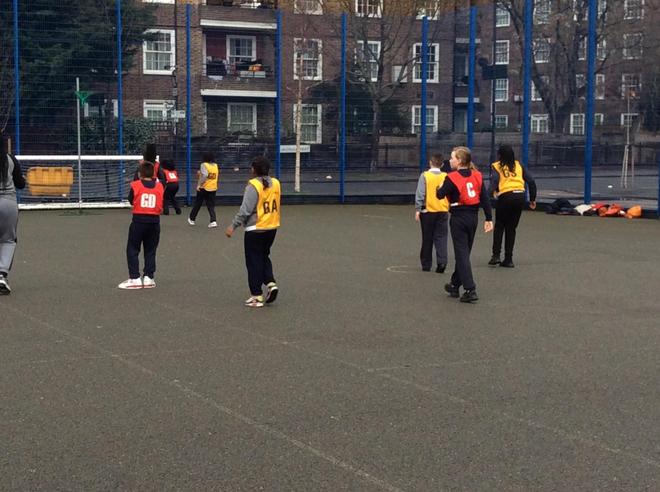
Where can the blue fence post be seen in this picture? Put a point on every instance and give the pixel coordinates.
(659, 186)
(120, 101)
(342, 113)
(472, 62)
(527, 79)
(589, 117)
(423, 109)
(278, 99)
(188, 107)
(17, 84)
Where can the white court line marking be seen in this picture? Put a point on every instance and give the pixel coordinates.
(383, 217)
(400, 269)
(209, 401)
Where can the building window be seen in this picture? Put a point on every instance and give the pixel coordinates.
(241, 118)
(310, 7)
(581, 7)
(310, 121)
(632, 46)
(501, 90)
(368, 8)
(628, 119)
(501, 121)
(541, 50)
(542, 10)
(157, 112)
(539, 123)
(633, 9)
(599, 119)
(159, 53)
(502, 52)
(502, 17)
(431, 119)
(367, 57)
(600, 86)
(582, 49)
(241, 49)
(580, 83)
(536, 95)
(307, 59)
(631, 85)
(577, 124)
(433, 73)
(428, 8)
(601, 49)
(158, 1)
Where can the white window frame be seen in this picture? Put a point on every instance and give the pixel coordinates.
(582, 49)
(435, 47)
(626, 85)
(319, 123)
(580, 81)
(537, 43)
(172, 52)
(627, 7)
(417, 110)
(502, 13)
(537, 120)
(599, 92)
(298, 9)
(575, 128)
(542, 16)
(158, 1)
(377, 14)
(165, 106)
(502, 117)
(500, 99)
(639, 45)
(319, 65)
(369, 52)
(231, 37)
(424, 11)
(502, 43)
(254, 115)
(625, 115)
(601, 49)
(599, 119)
(536, 95)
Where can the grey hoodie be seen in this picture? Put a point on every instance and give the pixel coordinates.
(247, 214)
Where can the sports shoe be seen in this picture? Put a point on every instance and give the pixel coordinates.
(271, 292)
(5, 290)
(148, 282)
(507, 264)
(494, 261)
(191, 222)
(213, 225)
(426, 269)
(131, 283)
(470, 296)
(440, 268)
(255, 301)
(452, 290)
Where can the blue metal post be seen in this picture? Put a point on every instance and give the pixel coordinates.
(17, 84)
(278, 99)
(589, 116)
(120, 101)
(342, 112)
(472, 62)
(188, 107)
(425, 71)
(659, 188)
(527, 79)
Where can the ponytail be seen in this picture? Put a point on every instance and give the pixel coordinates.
(261, 167)
(265, 182)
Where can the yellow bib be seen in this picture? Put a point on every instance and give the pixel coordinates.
(268, 206)
(211, 183)
(433, 182)
(509, 181)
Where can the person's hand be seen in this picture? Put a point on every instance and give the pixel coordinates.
(532, 205)
(417, 214)
(229, 231)
(488, 226)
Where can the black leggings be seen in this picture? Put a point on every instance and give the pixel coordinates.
(507, 216)
(203, 197)
(463, 226)
(257, 259)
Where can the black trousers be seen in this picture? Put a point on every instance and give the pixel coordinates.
(507, 216)
(171, 189)
(463, 225)
(257, 259)
(139, 235)
(434, 233)
(204, 197)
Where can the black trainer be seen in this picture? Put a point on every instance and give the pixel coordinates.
(470, 296)
(494, 261)
(507, 264)
(452, 290)
(440, 268)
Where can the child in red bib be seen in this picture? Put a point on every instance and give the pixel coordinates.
(171, 176)
(146, 197)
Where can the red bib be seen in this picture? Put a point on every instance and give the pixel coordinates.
(147, 201)
(171, 176)
(469, 188)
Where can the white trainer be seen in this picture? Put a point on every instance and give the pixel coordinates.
(213, 225)
(190, 221)
(131, 283)
(5, 290)
(255, 302)
(148, 282)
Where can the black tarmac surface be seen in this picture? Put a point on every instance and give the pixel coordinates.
(362, 376)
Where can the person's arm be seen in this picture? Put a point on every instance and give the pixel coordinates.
(17, 175)
(203, 175)
(488, 210)
(249, 205)
(447, 188)
(131, 196)
(494, 183)
(420, 196)
(529, 180)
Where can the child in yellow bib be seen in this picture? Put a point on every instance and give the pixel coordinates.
(207, 186)
(260, 215)
(433, 215)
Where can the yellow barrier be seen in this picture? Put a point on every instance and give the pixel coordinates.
(50, 180)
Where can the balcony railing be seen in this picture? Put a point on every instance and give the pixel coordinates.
(220, 70)
(246, 4)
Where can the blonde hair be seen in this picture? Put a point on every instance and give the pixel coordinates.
(464, 155)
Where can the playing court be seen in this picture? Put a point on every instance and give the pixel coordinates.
(362, 376)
